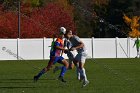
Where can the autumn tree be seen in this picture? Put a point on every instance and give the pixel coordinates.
(66, 6)
(134, 25)
(37, 23)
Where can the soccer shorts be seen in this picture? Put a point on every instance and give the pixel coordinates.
(54, 60)
(81, 57)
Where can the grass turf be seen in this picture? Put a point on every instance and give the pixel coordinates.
(105, 76)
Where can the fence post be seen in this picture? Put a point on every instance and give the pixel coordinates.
(129, 40)
(128, 46)
(116, 43)
(44, 48)
(93, 48)
(17, 48)
(19, 19)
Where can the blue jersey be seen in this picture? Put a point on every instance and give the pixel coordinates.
(56, 52)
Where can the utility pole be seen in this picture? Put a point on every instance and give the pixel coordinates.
(19, 19)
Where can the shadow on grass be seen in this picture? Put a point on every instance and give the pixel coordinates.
(24, 80)
(16, 87)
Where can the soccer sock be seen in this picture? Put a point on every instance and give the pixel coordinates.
(139, 53)
(41, 73)
(83, 74)
(77, 73)
(63, 70)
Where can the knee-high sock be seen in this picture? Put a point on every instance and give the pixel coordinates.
(63, 71)
(41, 73)
(77, 72)
(137, 53)
(83, 74)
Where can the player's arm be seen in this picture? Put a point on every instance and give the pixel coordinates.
(81, 44)
(60, 48)
(57, 46)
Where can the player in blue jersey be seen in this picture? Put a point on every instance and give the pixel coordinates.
(71, 56)
(55, 56)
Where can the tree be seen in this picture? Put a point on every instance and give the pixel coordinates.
(134, 25)
(66, 6)
(8, 25)
(111, 11)
(40, 22)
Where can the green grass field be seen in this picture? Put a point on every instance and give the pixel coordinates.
(105, 76)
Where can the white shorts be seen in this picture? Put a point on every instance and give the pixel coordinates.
(81, 57)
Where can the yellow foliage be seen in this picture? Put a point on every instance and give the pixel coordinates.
(134, 25)
(127, 19)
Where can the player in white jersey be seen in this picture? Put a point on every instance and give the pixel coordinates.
(80, 58)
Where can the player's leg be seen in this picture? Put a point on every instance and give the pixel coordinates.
(83, 73)
(70, 56)
(76, 63)
(63, 69)
(73, 61)
(44, 70)
(82, 58)
(71, 65)
(139, 52)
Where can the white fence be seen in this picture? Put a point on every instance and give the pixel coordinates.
(38, 49)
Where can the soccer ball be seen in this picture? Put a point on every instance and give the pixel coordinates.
(63, 30)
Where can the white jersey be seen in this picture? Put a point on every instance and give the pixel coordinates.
(75, 41)
(82, 52)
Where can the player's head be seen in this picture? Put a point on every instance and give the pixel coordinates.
(68, 34)
(62, 32)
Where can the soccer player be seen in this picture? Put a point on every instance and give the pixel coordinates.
(137, 43)
(55, 56)
(71, 56)
(80, 58)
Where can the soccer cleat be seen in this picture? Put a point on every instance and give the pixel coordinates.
(55, 69)
(61, 79)
(85, 83)
(35, 78)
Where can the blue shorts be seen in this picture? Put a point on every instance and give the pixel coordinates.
(56, 59)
